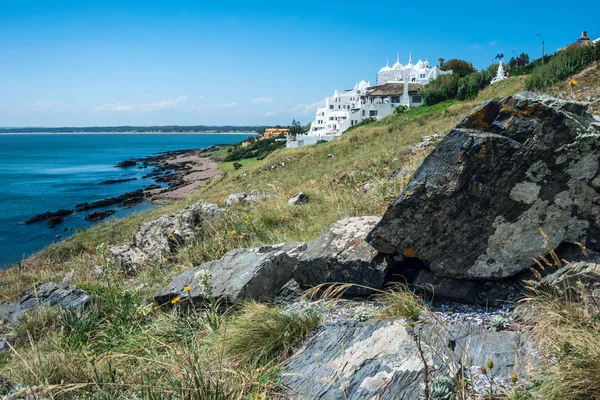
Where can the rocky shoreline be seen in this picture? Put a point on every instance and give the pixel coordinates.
(182, 171)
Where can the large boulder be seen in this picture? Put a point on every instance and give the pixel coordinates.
(382, 360)
(127, 258)
(340, 254)
(475, 207)
(161, 237)
(255, 273)
(50, 295)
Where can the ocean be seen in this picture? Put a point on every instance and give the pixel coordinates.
(47, 172)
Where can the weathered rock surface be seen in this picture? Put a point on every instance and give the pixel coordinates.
(298, 199)
(340, 254)
(381, 360)
(256, 273)
(127, 258)
(570, 276)
(159, 238)
(53, 217)
(114, 181)
(50, 295)
(246, 198)
(475, 206)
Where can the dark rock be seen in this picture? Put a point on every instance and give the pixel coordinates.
(298, 199)
(475, 206)
(290, 292)
(340, 254)
(126, 199)
(99, 215)
(50, 295)
(127, 163)
(152, 187)
(256, 273)
(381, 360)
(56, 217)
(113, 181)
(447, 288)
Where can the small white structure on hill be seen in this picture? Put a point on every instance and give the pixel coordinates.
(396, 86)
(500, 75)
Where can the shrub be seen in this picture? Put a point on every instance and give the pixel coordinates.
(366, 121)
(448, 87)
(564, 64)
(260, 334)
(237, 165)
(399, 301)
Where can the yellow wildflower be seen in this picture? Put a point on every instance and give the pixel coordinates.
(572, 83)
(175, 300)
(490, 364)
(165, 259)
(249, 216)
(187, 288)
(92, 359)
(121, 271)
(245, 222)
(233, 232)
(285, 217)
(514, 378)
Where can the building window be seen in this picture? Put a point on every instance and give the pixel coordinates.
(422, 76)
(331, 107)
(414, 79)
(395, 99)
(416, 99)
(363, 113)
(373, 113)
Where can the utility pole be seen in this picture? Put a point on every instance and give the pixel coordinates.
(542, 46)
(516, 58)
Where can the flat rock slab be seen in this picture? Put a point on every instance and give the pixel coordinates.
(475, 206)
(381, 360)
(255, 273)
(50, 295)
(246, 198)
(341, 254)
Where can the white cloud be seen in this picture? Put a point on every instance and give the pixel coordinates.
(270, 114)
(154, 106)
(304, 108)
(493, 42)
(261, 100)
(477, 46)
(46, 105)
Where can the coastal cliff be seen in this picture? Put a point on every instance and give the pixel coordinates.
(394, 275)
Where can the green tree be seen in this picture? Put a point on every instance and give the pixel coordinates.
(296, 128)
(457, 66)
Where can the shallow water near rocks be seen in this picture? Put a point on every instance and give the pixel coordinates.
(47, 172)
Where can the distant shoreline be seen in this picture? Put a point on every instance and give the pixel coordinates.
(126, 133)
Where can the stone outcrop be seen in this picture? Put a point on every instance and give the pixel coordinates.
(161, 237)
(99, 215)
(382, 360)
(246, 198)
(340, 254)
(298, 199)
(50, 295)
(475, 206)
(255, 273)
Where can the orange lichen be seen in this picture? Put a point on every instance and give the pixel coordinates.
(409, 252)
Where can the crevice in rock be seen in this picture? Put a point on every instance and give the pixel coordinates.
(405, 271)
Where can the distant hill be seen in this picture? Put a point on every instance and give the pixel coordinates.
(135, 129)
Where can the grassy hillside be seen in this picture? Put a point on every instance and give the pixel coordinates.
(124, 346)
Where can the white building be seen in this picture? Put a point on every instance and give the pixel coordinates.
(397, 85)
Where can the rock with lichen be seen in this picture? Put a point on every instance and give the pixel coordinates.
(475, 207)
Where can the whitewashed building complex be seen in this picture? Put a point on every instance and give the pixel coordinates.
(397, 85)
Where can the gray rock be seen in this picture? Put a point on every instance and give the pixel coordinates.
(50, 295)
(300, 198)
(447, 288)
(161, 237)
(290, 292)
(340, 254)
(400, 173)
(570, 275)
(246, 198)
(474, 208)
(6, 310)
(127, 258)
(256, 273)
(381, 360)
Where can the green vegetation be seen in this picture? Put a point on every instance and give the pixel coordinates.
(457, 86)
(124, 347)
(564, 64)
(258, 149)
(458, 67)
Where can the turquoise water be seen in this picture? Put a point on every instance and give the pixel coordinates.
(47, 172)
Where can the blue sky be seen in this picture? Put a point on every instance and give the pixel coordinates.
(83, 63)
